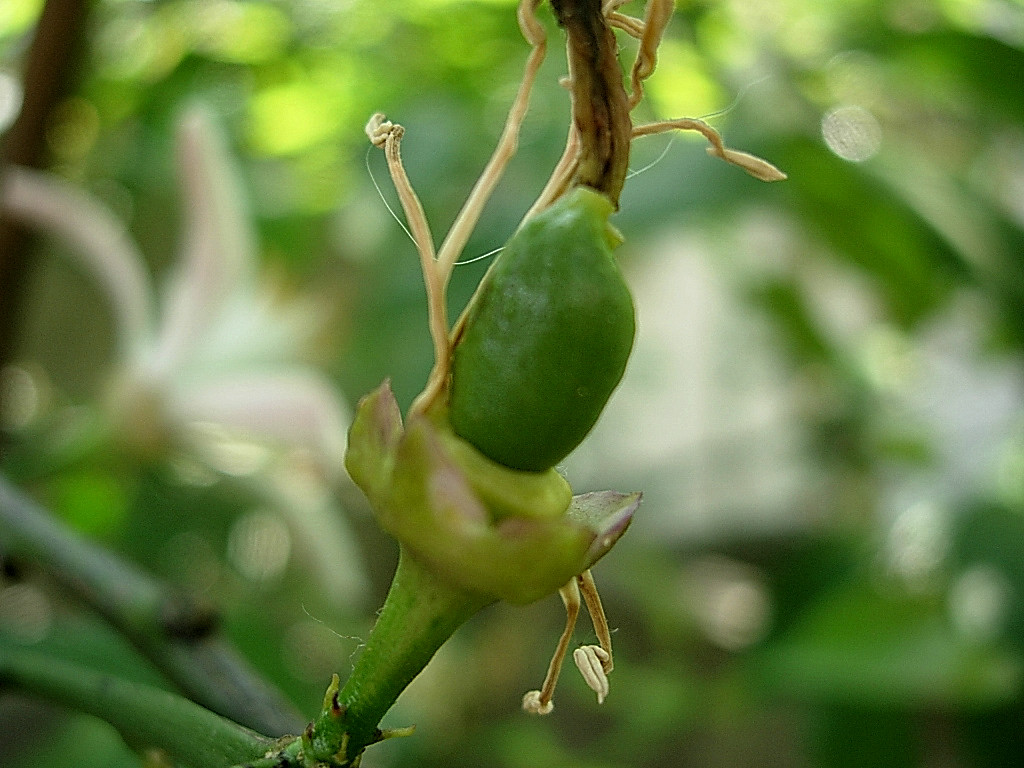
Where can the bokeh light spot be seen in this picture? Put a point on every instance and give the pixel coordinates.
(729, 601)
(852, 133)
(227, 452)
(11, 95)
(259, 546)
(25, 613)
(979, 601)
(242, 33)
(17, 15)
(682, 85)
(917, 543)
(75, 129)
(287, 119)
(21, 398)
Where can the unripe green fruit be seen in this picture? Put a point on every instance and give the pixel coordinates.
(546, 338)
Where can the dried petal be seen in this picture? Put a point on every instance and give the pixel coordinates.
(607, 514)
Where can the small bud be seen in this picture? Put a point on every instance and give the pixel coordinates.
(331, 696)
(382, 734)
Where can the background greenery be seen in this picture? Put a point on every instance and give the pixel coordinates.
(824, 409)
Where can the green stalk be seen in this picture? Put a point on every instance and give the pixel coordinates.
(146, 717)
(419, 615)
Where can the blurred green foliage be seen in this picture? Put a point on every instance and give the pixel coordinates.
(824, 409)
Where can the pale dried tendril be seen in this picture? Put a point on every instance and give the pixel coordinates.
(388, 136)
(588, 589)
(593, 661)
(649, 31)
(437, 267)
(755, 166)
(656, 18)
(539, 702)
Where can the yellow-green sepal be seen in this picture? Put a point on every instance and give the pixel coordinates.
(482, 527)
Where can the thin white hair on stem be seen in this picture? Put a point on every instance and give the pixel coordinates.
(331, 629)
(360, 643)
(380, 194)
(655, 161)
(481, 257)
(740, 95)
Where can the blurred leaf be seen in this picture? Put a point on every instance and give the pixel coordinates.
(995, 739)
(870, 646)
(864, 223)
(91, 643)
(93, 743)
(991, 536)
(17, 15)
(974, 73)
(92, 500)
(783, 300)
(864, 737)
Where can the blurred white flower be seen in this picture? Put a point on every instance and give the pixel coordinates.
(212, 365)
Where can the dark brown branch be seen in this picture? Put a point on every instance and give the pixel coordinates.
(51, 68)
(599, 102)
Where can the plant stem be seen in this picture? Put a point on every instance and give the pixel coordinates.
(419, 615)
(174, 631)
(146, 717)
(52, 65)
(600, 105)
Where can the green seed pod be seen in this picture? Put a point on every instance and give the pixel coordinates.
(546, 337)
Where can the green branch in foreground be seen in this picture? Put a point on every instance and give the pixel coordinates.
(146, 717)
(175, 633)
(420, 613)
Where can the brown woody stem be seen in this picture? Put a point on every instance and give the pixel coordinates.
(599, 102)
